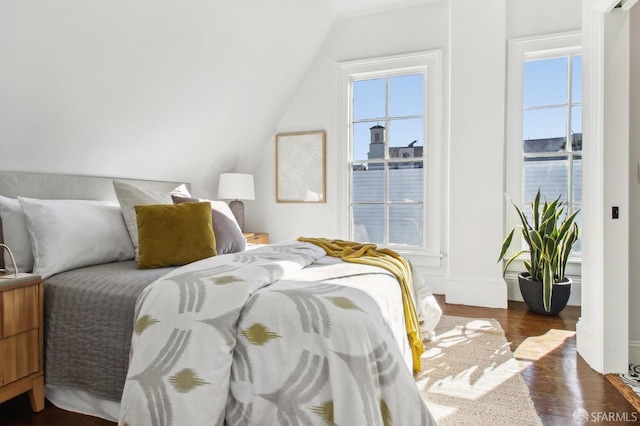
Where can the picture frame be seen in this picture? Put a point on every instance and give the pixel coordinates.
(300, 167)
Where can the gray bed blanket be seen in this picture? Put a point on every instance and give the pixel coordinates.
(88, 317)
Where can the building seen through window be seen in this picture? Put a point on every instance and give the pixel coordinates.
(552, 131)
(387, 164)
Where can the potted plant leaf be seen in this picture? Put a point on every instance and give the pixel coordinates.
(550, 235)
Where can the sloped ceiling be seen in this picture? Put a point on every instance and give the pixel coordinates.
(157, 89)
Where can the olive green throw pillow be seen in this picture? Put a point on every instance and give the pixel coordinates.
(174, 234)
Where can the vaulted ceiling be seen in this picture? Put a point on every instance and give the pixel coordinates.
(154, 88)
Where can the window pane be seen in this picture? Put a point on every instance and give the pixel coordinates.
(368, 141)
(368, 223)
(548, 174)
(406, 182)
(576, 128)
(369, 99)
(406, 95)
(545, 82)
(576, 80)
(368, 185)
(405, 224)
(408, 134)
(577, 178)
(544, 130)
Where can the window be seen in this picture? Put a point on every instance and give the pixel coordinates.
(544, 145)
(390, 107)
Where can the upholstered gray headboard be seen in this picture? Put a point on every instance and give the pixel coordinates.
(57, 186)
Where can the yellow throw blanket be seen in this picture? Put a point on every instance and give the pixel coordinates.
(369, 254)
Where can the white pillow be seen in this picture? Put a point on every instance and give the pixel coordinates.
(68, 234)
(130, 195)
(15, 235)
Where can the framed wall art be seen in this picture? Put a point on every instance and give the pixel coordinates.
(300, 167)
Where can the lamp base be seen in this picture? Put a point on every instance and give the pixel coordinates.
(237, 208)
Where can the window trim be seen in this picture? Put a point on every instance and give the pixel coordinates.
(521, 50)
(348, 71)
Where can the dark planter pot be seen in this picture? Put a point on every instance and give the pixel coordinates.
(532, 294)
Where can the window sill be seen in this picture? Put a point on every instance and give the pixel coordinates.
(421, 258)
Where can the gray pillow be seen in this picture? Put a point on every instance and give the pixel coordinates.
(16, 235)
(130, 196)
(229, 238)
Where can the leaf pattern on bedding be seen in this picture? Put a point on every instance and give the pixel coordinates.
(313, 313)
(258, 351)
(192, 287)
(311, 308)
(143, 323)
(345, 303)
(228, 279)
(385, 412)
(239, 414)
(258, 334)
(325, 411)
(379, 367)
(242, 370)
(185, 380)
(293, 398)
(250, 258)
(152, 378)
(220, 322)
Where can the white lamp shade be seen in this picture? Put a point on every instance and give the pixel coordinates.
(236, 186)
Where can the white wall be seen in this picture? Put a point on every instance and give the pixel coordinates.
(474, 59)
(527, 18)
(413, 29)
(634, 190)
(603, 328)
(314, 108)
(151, 89)
(477, 96)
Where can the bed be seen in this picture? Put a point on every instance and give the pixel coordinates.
(274, 334)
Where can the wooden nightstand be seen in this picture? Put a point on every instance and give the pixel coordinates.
(257, 237)
(21, 349)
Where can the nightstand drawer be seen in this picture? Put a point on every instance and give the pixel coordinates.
(19, 310)
(21, 339)
(21, 355)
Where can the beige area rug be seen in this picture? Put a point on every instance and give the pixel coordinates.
(470, 377)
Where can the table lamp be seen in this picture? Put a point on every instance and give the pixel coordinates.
(236, 187)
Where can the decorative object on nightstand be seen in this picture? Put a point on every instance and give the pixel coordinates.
(21, 339)
(256, 237)
(3, 272)
(236, 187)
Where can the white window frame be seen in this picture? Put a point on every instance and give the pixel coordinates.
(521, 50)
(428, 63)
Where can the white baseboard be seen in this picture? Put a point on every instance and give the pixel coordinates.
(471, 291)
(464, 290)
(634, 352)
(586, 347)
(513, 289)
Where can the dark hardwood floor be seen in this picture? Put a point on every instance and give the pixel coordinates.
(559, 380)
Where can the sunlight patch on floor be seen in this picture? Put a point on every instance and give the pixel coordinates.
(535, 347)
(487, 366)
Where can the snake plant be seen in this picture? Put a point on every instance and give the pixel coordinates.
(550, 236)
